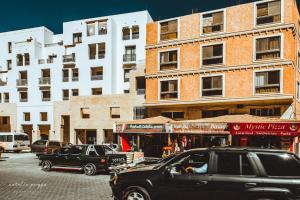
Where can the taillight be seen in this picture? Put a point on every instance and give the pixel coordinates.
(46, 149)
(103, 161)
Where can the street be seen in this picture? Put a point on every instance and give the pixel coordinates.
(22, 178)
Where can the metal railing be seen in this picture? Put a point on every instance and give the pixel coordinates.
(22, 82)
(24, 100)
(141, 91)
(126, 37)
(97, 77)
(44, 80)
(65, 79)
(41, 61)
(69, 58)
(46, 99)
(129, 57)
(75, 78)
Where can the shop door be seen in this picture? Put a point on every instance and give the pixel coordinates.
(91, 136)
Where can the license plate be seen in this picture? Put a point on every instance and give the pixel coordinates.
(118, 160)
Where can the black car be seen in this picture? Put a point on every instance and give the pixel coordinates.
(89, 158)
(214, 174)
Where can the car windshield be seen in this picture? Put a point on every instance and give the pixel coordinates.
(40, 142)
(6, 138)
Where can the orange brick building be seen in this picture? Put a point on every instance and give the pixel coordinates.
(237, 60)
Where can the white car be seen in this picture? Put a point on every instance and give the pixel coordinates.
(16, 142)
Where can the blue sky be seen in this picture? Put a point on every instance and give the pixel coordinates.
(19, 14)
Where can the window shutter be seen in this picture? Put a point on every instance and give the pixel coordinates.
(172, 26)
(274, 8)
(217, 82)
(217, 18)
(208, 52)
(262, 10)
(274, 43)
(262, 44)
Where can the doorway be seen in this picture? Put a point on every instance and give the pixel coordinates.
(28, 130)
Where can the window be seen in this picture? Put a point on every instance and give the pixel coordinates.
(9, 64)
(45, 76)
(115, 112)
(135, 32)
(140, 85)
(77, 38)
(265, 111)
(92, 51)
(268, 48)
(129, 55)
(96, 73)
(23, 96)
(75, 74)
(19, 60)
(213, 22)
(96, 91)
(65, 94)
(126, 33)
(286, 164)
(102, 27)
(168, 60)
(9, 47)
(6, 97)
(212, 86)
(234, 164)
(169, 89)
(269, 12)
(126, 75)
(43, 116)
(27, 58)
(90, 29)
(65, 75)
(168, 30)
(101, 50)
(26, 116)
(6, 138)
(75, 92)
(46, 95)
(140, 112)
(173, 115)
(22, 81)
(84, 113)
(267, 82)
(213, 113)
(126, 91)
(212, 55)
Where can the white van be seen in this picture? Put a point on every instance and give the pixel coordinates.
(14, 141)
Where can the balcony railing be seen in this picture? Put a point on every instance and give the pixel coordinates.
(24, 100)
(2, 83)
(50, 60)
(41, 61)
(97, 77)
(65, 79)
(44, 81)
(129, 57)
(135, 35)
(75, 78)
(6, 100)
(126, 37)
(46, 99)
(101, 55)
(69, 58)
(22, 82)
(65, 98)
(141, 91)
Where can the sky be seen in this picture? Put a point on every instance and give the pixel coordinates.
(20, 14)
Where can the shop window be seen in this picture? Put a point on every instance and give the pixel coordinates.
(90, 29)
(233, 164)
(26, 116)
(169, 89)
(168, 60)
(96, 91)
(268, 48)
(213, 113)
(169, 30)
(285, 161)
(213, 22)
(140, 112)
(212, 86)
(265, 111)
(101, 50)
(77, 38)
(126, 33)
(173, 115)
(84, 112)
(212, 55)
(135, 32)
(115, 112)
(102, 27)
(269, 12)
(43, 116)
(267, 82)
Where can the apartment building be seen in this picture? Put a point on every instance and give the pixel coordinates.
(91, 58)
(236, 60)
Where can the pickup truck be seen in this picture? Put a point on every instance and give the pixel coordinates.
(87, 158)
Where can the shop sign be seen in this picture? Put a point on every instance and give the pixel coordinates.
(202, 128)
(144, 128)
(269, 129)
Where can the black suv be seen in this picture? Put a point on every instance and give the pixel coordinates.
(214, 174)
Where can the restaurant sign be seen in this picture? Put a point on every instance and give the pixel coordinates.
(200, 128)
(141, 128)
(268, 129)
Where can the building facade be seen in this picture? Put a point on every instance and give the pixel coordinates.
(91, 57)
(237, 60)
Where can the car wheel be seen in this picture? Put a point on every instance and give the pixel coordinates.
(1, 150)
(89, 169)
(46, 165)
(136, 193)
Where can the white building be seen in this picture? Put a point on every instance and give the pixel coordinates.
(91, 57)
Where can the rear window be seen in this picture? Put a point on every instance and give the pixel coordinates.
(283, 164)
(40, 142)
(6, 138)
(21, 137)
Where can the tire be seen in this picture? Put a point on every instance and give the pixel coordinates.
(46, 165)
(1, 150)
(89, 169)
(135, 193)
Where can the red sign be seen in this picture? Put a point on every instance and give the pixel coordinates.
(268, 129)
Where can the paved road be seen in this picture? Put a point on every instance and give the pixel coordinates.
(22, 178)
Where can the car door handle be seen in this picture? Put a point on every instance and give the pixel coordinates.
(249, 185)
(202, 183)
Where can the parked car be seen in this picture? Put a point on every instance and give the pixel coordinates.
(87, 158)
(45, 146)
(214, 174)
(13, 141)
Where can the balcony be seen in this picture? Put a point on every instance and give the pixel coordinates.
(96, 77)
(65, 98)
(135, 35)
(141, 91)
(69, 58)
(65, 79)
(22, 82)
(24, 100)
(2, 83)
(129, 57)
(75, 78)
(126, 37)
(6, 100)
(41, 61)
(44, 81)
(46, 99)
